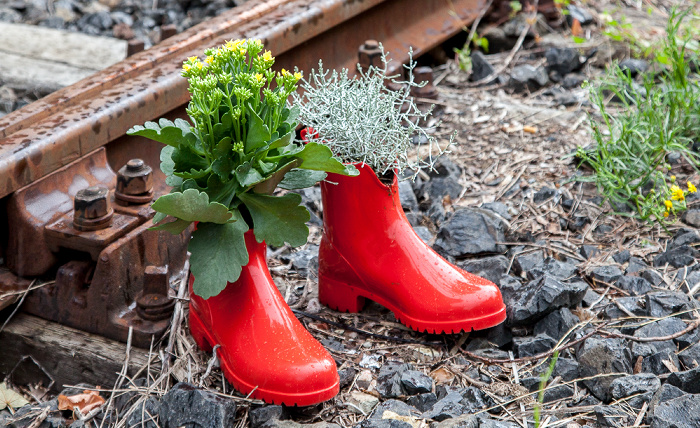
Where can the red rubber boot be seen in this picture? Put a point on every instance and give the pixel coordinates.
(369, 250)
(263, 346)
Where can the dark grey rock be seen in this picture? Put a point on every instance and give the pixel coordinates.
(665, 393)
(305, 260)
(589, 251)
(622, 257)
(664, 327)
(563, 60)
(635, 285)
(611, 417)
(544, 194)
(690, 357)
(583, 16)
(536, 299)
(677, 257)
(688, 380)
(423, 402)
(557, 393)
(346, 376)
(470, 232)
(445, 167)
(526, 77)
(424, 234)
(499, 335)
(554, 268)
(189, 406)
(654, 278)
(592, 297)
(681, 412)
(663, 303)
(499, 208)
(556, 324)
(658, 363)
(481, 67)
(436, 212)
(491, 423)
(606, 274)
(437, 188)
(634, 66)
(415, 382)
(692, 217)
(634, 304)
(635, 384)
(474, 400)
(573, 80)
(407, 196)
(598, 356)
(635, 265)
(378, 423)
(532, 345)
(566, 368)
(448, 407)
(526, 261)
(396, 406)
(146, 415)
(389, 379)
(492, 268)
(464, 421)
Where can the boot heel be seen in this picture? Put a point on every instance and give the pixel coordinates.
(198, 334)
(339, 296)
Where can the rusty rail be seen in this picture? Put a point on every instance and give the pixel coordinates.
(51, 149)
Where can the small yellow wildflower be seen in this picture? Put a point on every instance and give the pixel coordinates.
(199, 66)
(284, 72)
(186, 68)
(665, 213)
(209, 59)
(297, 75)
(258, 77)
(692, 188)
(673, 178)
(677, 193)
(267, 56)
(193, 59)
(668, 204)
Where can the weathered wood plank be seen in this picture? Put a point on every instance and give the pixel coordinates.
(69, 356)
(49, 59)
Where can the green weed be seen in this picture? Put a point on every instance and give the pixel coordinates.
(658, 116)
(543, 383)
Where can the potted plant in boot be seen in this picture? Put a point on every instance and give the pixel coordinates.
(368, 248)
(224, 167)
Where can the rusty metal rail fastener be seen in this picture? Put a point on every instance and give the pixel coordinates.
(134, 183)
(92, 209)
(420, 75)
(369, 55)
(155, 304)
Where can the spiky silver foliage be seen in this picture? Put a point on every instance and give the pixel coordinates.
(362, 120)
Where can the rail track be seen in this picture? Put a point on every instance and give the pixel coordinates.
(107, 273)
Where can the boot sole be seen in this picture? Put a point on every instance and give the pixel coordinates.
(347, 298)
(206, 342)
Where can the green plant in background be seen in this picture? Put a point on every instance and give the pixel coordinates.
(543, 384)
(659, 117)
(226, 164)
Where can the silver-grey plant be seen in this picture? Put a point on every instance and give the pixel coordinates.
(361, 120)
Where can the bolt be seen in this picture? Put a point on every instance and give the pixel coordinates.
(155, 304)
(92, 209)
(420, 75)
(369, 54)
(134, 183)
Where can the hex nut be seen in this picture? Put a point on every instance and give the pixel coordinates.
(92, 209)
(369, 54)
(134, 183)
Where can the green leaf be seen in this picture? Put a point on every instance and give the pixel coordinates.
(258, 133)
(278, 219)
(320, 158)
(158, 217)
(218, 255)
(247, 175)
(175, 227)
(168, 167)
(11, 399)
(165, 131)
(188, 162)
(301, 179)
(282, 141)
(192, 205)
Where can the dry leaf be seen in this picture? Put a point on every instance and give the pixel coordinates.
(411, 420)
(442, 375)
(11, 399)
(85, 402)
(576, 29)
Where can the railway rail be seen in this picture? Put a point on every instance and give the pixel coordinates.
(105, 272)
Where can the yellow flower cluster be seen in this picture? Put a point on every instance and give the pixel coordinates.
(677, 194)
